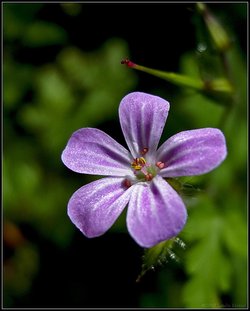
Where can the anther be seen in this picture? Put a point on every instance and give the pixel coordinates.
(148, 177)
(160, 165)
(127, 183)
(144, 151)
(138, 163)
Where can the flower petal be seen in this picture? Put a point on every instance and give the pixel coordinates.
(192, 152)
(142, 118)
(95, 207)
(155, 213)
(91, 151)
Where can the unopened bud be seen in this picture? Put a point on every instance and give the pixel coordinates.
(216, 30)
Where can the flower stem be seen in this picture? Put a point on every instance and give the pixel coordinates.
(175, 78)
(220, 85)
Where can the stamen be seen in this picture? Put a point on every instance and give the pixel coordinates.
(160, 165)
(127, 183)
(138, 163)
(143, 170)
(144, 151)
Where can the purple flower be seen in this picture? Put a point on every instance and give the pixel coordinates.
(136, 177)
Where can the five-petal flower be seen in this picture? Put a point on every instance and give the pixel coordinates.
(136, 177)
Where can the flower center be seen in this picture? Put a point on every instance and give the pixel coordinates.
(143, 170)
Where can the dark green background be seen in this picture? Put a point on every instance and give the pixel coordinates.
(61, 72)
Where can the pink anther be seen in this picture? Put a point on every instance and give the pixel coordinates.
(160, 165)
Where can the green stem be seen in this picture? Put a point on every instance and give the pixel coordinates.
(175, 78)
(220, 85)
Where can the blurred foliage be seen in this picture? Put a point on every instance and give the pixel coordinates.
(43, 105)
(45, 101)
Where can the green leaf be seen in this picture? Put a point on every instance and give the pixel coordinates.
(235, 232)
(206, 263)
(17, 17)
(42, 33)
(16, 82)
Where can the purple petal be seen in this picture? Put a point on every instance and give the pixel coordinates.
(95, 207)
(192, 152)
(92, 151)
(142, 118)
(155, 213)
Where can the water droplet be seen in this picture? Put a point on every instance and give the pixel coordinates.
(201, 47)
